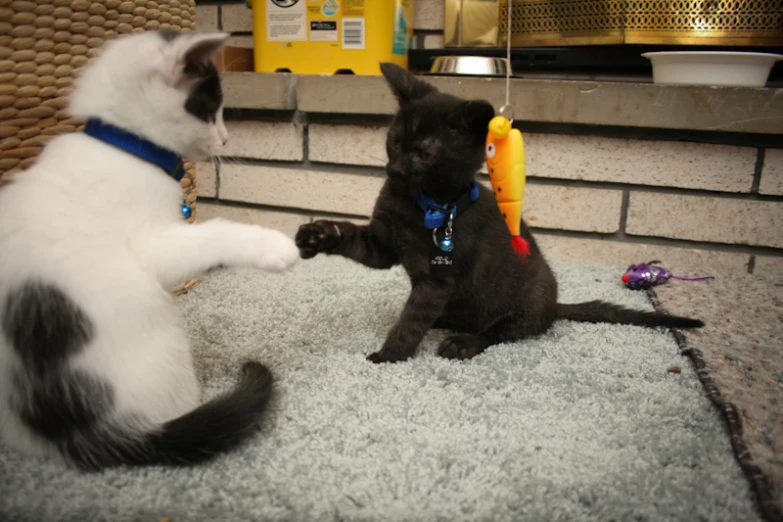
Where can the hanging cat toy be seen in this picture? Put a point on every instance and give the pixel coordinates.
(647, 275)
(505, 157)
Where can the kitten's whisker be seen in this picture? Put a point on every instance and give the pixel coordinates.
(378, 158)
(237, 60)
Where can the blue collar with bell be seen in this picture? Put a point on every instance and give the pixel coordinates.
(438, 216)
(168, 161)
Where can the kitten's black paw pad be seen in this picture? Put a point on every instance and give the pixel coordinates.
(461, 347)
(387, 356)
(319, 236)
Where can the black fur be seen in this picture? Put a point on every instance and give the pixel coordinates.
(72, 411)
(436, 144)
(207, 96)
(44, 325)
(601, 312)
(212, 428)
(59, 403)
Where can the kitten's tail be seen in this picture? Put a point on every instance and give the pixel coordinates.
(603, 312)
(197, 436)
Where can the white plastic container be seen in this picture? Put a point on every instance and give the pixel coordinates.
(736, 69)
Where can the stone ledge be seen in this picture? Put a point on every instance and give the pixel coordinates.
(645, 105)
(247, 90)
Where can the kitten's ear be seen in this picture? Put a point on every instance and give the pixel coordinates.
(405, 86)
(474, 115)
(191, 52)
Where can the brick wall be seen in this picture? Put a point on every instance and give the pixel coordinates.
(697, 200)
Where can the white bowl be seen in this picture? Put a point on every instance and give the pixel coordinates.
(737, 69)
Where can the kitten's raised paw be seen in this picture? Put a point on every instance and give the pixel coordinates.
(315, 237)
(461, 347)
(383, 356)
(279, 252)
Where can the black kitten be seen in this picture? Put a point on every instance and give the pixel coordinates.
(435, 147)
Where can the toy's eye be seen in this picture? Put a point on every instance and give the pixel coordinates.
(490, 150)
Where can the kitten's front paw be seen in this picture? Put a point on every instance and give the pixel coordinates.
(279, 252)
(319, 236)
(388, 356)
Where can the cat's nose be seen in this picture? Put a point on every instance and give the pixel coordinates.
(225, 141)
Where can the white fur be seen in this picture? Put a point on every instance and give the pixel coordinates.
(105, 228)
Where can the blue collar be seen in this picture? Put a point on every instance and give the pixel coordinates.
(436, 216)
(170, 162)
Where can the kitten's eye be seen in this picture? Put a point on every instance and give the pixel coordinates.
(425, 155)
(490, 150)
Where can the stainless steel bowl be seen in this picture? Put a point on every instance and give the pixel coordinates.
(470, 65)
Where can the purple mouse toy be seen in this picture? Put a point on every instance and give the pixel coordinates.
(647, 275)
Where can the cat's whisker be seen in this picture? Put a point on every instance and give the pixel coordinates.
(378, 158)
(224, 160)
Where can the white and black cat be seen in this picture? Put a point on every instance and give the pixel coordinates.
(486, 295)
(94, 363)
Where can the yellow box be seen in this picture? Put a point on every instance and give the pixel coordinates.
(331, 36)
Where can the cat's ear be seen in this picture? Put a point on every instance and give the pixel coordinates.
(405, 86)
(474, 116)
(190, 53)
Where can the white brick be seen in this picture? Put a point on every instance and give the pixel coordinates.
(304, 189)
(769, 266)
(569, 208)
(265, 140)
(589, 210)
(429, 14)
(433, 41)
(661, 163)
(719, 220)
(681, 261)
(246, 42)
(286, 222)
(206, 17)
(237, 18)
(772, 173)
(348, 144)
(206, 179)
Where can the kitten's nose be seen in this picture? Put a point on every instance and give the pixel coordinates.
(225, 141)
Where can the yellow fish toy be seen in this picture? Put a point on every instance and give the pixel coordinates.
(505, 156)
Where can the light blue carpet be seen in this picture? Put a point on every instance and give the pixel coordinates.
(583, 424)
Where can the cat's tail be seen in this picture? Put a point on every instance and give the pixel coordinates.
(603, 312)
(214, 427)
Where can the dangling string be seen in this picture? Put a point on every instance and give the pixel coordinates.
(506, 110)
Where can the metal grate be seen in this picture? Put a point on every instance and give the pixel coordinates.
(585, 22)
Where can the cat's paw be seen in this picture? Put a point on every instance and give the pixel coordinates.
(390, 356)
(315, 237)
(279, 252)
(461, 347)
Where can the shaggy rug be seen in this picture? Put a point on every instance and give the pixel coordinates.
(589, 422)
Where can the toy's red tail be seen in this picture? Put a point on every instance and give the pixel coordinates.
(520, 246)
